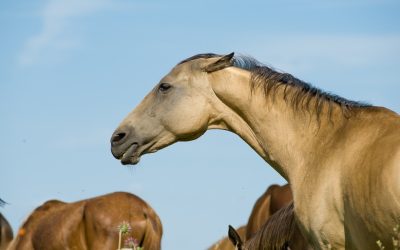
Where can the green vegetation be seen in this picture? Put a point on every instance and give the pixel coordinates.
(129, 242)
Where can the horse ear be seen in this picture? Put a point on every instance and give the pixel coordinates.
(235, 238)
(2, 203)
(223, 62)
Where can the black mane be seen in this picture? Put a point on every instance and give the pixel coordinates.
(302, 93)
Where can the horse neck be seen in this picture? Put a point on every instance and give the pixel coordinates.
(282, 135)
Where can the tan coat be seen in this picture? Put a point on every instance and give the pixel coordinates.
(341, 158)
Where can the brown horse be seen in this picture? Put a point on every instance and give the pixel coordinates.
(225, 243)
(89, 224)
(320, 143)
(6, 234)
(280, 232)
(273, 199)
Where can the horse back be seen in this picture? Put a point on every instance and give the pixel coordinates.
(23, 238)
(104, 214)
(90, 224)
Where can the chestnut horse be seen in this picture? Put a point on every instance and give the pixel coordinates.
(89, 224)
(273, 199)
(225, 243)
(320, 143)
(6, 234)
(280, 232)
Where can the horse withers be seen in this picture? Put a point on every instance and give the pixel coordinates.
(89, 224)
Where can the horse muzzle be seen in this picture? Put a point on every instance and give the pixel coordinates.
(124, 147)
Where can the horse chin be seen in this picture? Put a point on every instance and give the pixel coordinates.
(131, 160)
(131, 156)
(135, 151)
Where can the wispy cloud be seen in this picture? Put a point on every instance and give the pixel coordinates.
(58, 16)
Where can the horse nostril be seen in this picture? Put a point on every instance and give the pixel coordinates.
(117, 137)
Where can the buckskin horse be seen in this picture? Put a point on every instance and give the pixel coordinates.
(89, 224)
(320, 143)
(6, 234)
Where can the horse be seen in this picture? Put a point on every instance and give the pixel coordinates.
(320, 143)
(89, 224)
(280, 232)
(274, 198)
(225, 243)
(6, 233)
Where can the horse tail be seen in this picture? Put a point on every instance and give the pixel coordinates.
(153, 231)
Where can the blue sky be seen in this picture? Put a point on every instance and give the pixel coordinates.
(70, 71)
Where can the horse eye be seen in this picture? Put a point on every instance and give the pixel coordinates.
(164, 87)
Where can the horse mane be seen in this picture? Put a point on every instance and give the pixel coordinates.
(301, 93)
(276, 232)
